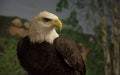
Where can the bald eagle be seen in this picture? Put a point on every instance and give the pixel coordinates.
(45, 52)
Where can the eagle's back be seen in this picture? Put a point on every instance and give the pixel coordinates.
(43, 58)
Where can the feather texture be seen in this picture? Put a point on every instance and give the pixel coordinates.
(49, 59)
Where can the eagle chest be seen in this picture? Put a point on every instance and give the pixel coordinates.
(42, 53)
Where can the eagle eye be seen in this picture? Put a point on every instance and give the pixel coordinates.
(46, 19)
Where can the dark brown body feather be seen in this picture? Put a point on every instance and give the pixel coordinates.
(61, 58)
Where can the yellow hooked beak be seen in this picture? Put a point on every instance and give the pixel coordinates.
(57, 23)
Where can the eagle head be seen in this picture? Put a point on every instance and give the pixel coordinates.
(43, 26)
(48, 20)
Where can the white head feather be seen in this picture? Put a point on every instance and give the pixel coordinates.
(40, 30)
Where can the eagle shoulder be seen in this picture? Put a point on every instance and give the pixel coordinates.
(23, 44)
(70, 53)
(22, 49)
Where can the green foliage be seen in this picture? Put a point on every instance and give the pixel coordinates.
(62, 4)
(79, 4)
(4, 24)
(87, 16)
(109, 4)
(9, 64)
(66, 4)
(93, 6)
(99, 33)
(100, 2)
(71, 20)
(95, 60)
(75, 35)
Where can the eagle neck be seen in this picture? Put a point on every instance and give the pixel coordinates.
(43, 36)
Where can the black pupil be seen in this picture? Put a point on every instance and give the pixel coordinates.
(46, 19)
